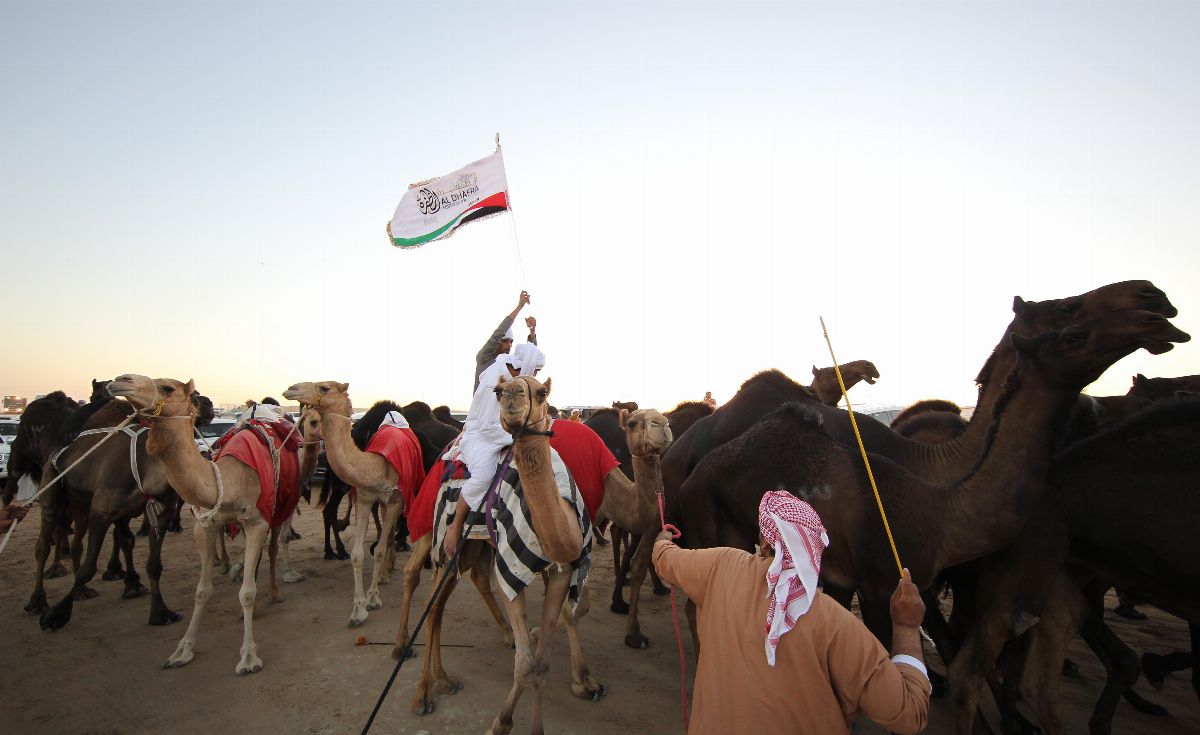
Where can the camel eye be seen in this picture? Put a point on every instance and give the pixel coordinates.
(324, 389)
(1074, 339)
(543, 393)
(168, 389)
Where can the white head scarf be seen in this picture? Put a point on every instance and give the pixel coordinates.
(394, 418)
(528, 358)
(508, 335)
(793, 528)
(262, 412)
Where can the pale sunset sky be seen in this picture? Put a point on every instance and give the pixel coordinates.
(200, 189)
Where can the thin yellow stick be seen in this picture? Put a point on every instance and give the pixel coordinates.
(862, 449)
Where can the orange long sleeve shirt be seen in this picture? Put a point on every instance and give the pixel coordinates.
(828, 668)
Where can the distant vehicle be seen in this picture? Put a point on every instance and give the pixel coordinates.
(8, 432)
(882, 414)
(211, 433)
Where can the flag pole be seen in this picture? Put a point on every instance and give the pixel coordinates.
(512, 221)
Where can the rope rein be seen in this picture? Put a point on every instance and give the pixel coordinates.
(862, 449)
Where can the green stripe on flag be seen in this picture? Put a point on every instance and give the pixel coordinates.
(408, 242)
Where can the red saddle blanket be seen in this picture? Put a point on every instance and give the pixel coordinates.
(246, 446)
(402, 449)
(582, 451)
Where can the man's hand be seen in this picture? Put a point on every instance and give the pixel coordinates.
(531, 322)
(664, 535)
(450, 543)
(13, 511)
(522, 300)
(908, 609)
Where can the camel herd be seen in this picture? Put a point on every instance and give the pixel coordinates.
(1026, 514)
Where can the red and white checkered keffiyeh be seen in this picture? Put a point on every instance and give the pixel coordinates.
(795, 531)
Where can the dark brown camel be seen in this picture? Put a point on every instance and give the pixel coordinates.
(979, 514)
(103, 490)
(932, 421)
(442, 413)
(1158, 388)
(630, 406)
(687, 413)
(825, 383)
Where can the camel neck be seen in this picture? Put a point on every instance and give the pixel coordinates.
(556, 525)
(189, 473)
(347, 461)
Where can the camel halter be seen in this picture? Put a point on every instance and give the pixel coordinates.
(524, 429)
(854, 425)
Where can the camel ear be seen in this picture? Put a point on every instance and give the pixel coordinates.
(547, 386)
(815, 371)
(623, 417)
(190, 388)
(503, 378)
(1019, 305)
(344, 387)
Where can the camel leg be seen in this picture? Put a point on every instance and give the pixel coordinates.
(538, 666)
(206, 544)
(620, 537)
(290, 575)
(359, 612)
(330, 517)
(114, 571)
(41, 552)
(276, 535)
(391, 513)
(59, 615)
(123, 540)
(481, 576)
(1120, 662)
(160, 614)
(640, 562)
(412, 578)
(523, 664)
(256, 535)
(432, 672)
(223, 565)
(974, 660)
(583, 684)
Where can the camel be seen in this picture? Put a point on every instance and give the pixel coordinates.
(625, 406)
(825, 383)
(562, 538)
(979, 514)
(933, 421)
(373, 476)
(439, 433)
(114, 484)
(442, 413)
(1156, 388)
(224, 491)
(687, 413)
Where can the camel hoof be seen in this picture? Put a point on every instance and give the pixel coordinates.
(56, 571)
(85, 593)
(131, 592)
(330, 555)
(252, 665)
(55, 618)
(424, 707)
(449, 686)
(112, 575)
(343, 555)
(165, 617)
(291, 577)
(637, 640)
(358, 616)
(36, 604)
(178, 662)
(620, 607)
(599, 693)
(397, 650)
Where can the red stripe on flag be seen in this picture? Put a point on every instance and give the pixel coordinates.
(495, 200)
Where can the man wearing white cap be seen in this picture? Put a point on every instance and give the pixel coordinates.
(812, 667)
(501, 341)
(483, 438)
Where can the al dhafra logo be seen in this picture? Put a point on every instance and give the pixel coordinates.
(428, 201)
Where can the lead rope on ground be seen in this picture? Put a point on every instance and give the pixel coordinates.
(675, 533)
(858, 437)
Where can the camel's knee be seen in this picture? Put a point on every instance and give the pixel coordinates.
(246, 596)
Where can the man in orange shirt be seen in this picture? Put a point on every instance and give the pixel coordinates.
(813, 667)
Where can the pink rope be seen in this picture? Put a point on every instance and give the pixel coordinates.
(675, 533)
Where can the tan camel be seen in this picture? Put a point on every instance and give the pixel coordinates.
(373, 477)
(523, 412)
(225, 491)
(634, 505)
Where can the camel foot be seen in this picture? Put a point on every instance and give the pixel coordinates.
(589, 689)
(56, 617)
(501, 726)
(235, 571)
(447, 685)
(292, 536)
(939, 684)
(385, 578)
(397, 650)
(374, 602)
(402, 546)
(1129, 612)
(274, 599)
(165, 616)
(637, 640)
(250, 664)
(600, 540)
(291, 576)
(181, 657)
(137, 590)
(84, 593)
(620, 607)
(56, 570)
(36, 604)
(1145, 706)
(330, 555)
(112, 575)
(1152, 668)
(423, 706)
(358, 615)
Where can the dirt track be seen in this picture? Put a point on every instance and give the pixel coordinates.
(101, 674)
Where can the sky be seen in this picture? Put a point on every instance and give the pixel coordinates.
(200, 189)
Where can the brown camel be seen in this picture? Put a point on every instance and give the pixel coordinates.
(932, 421)
(225, 491)
(977, 515)
(825, 383)
(561, 538)
(1158, 388)
(687, 413)
(625, 405)
(442, 413)
(371, 474)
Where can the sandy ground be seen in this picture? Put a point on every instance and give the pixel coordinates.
(102, 673)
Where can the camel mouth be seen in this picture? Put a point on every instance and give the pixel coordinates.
(293, 393)
(1156, 347)
(869, 379)
(121, 386)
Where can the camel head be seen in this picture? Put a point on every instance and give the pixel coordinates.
(523, 404)
(1034, 317)
(825, 381)
(309, 426)
(1077, 355)
(1157, 388)
(161, 397)
(327, 395)
(646, 431)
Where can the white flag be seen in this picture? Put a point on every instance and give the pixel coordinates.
(434, 209)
